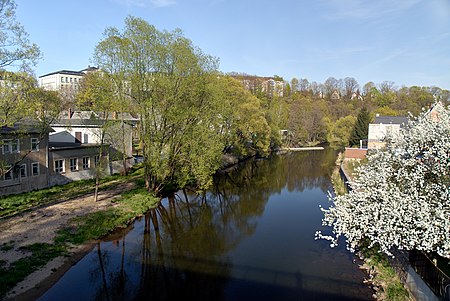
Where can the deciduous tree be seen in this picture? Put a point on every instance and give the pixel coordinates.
(401, 197)
(15, 46)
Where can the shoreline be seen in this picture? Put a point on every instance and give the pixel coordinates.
(39, 282)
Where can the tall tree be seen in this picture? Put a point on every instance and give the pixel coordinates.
(15, 46)
(169, 84)
(243, 126)
(361, 128)
(350, 87)
(400, 198)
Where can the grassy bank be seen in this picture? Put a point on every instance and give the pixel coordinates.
(381, 275)
(79, 230)
(12, 204)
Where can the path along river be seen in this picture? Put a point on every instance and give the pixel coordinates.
(250, 237)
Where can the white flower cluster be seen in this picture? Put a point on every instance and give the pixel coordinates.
(401, 197)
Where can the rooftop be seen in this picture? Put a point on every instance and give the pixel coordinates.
(391, 120)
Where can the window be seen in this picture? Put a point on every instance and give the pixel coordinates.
(35, 169)
(23, 170)
(85, 162)
(10, 146)
(73, 164)
(34, 144)
(59, 166)
(6, 147)
(96, 160)
(8, 174)
(15, 146)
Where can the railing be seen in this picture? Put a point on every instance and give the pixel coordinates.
(437, 280)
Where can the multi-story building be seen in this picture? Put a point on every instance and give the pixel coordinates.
(63, 79)
(23, 159)
(271, 86)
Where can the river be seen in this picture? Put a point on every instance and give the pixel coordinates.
(250, 237)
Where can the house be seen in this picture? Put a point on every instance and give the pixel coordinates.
(72, 161)
(23, 159)
(383, 127)
(271, 86)
(78, 133)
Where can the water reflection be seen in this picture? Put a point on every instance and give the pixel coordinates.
(251, 236)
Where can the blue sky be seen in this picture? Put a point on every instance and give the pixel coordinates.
(404, 41)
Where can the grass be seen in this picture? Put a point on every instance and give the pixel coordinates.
(12, 204)
(384, 276)
(95, 225)
(40, 254)
(80, 229)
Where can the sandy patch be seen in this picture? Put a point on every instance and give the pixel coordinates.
(40, 226)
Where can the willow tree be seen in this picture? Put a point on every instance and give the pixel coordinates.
(167, 80)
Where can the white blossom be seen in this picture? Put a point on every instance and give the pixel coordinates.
(401, 197)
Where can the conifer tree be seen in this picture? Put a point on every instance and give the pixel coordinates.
(361, 129)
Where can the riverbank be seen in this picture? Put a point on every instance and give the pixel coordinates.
(37, 246)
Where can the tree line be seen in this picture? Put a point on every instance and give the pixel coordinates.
(191, 114)
(315, 113)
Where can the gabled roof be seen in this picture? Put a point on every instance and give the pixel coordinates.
(391, 120)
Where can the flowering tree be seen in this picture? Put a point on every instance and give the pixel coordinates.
(401, 197)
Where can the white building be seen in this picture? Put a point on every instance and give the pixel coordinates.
(382, 127)
(63, 79)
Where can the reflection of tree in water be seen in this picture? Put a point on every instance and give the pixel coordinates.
(187, 236)
(296, 171)
(112, 285)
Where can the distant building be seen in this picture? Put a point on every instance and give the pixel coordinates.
(63, 79)
(382, 127)
(271, 86)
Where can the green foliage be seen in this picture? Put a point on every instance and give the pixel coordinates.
(168, 83)
(242, 120)
(361, 128)
(14, 44)
(339, 131)
(306, 122)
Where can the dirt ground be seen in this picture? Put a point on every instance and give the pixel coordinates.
(40, 226)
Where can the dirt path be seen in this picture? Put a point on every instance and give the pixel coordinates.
(40, 226)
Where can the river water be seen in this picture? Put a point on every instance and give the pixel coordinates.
(250, 237)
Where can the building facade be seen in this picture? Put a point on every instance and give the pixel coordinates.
(23, 160)
(384, 127)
